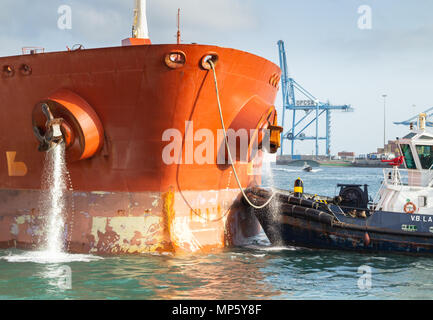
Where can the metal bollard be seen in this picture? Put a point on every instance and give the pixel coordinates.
(299, 188)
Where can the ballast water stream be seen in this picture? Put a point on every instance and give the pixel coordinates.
(268, 177)
(54, 203)
(53, 206)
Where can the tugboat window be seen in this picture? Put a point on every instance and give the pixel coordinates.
(408, 157)
(425, 138)
(425, 154)
(410, 136)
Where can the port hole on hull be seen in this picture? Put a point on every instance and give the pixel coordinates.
(8, 71)
(209, 57)
(25, 70)
(175, 59)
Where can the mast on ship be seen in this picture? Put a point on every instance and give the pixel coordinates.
(178, 26)
(140, 30)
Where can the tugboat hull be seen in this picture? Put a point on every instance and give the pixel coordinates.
(304, 233)
(303, 226)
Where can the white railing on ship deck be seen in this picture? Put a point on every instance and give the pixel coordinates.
(405, 177)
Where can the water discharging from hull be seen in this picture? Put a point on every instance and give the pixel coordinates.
(268, 176)
(54, 202)
(53, 207)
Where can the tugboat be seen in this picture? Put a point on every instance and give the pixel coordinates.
(399, 221)
(307, 167)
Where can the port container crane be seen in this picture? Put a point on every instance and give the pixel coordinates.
(414, 120)
(310, 105)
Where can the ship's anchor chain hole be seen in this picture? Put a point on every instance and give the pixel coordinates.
(55, 132)
(25, 70)
(207, 58)
(175, 59)
(8, 71)
(66, 116)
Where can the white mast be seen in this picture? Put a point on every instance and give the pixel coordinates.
(139, 28)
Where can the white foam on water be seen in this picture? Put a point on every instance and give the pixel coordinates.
(278, 248)
(271, 248)
(286, 170)
(48, 257)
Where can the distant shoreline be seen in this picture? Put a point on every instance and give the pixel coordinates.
(359, 163)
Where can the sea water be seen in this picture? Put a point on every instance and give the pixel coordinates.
(254, 271)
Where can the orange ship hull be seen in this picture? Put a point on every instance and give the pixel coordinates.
(124, 198)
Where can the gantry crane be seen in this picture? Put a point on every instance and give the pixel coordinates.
(414, 120)
(311, 106)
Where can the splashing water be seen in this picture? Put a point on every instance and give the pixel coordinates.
(267, 169)
(53, 203)
(53, 206)
(268, 174)
(47, 257)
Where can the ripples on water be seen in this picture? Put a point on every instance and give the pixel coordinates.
(256, 271)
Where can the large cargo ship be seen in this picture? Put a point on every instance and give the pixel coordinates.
(115, 106)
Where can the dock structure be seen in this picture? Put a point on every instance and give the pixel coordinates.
(312, 107)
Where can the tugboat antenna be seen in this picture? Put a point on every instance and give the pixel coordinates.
(178, 26)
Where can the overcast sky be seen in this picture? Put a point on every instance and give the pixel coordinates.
(327, 53)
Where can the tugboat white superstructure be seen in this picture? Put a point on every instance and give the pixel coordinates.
(410, 190)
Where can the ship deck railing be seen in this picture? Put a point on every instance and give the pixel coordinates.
(32, 50)
(407, 177)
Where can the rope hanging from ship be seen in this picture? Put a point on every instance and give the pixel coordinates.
(212, 66)
(194, 211)
(71, 224)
